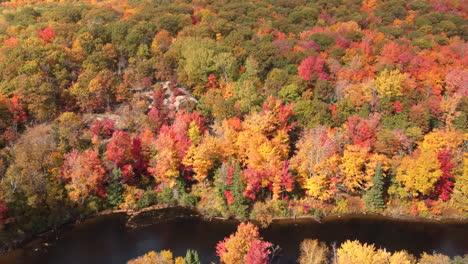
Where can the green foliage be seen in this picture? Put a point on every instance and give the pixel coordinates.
(166, 196)
(115, 189)
(188, 199)
(147, 199)
(312, 113)
(239, 207)
(374, 197)
(191, 257)
(323, 40)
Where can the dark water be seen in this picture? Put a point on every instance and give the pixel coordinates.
(106, 239)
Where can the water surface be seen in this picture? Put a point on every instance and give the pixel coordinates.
(106, 239)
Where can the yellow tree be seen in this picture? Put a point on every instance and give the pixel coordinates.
(460, 192)
(263, 146)
(352, 168)
(439, 139)
(202, 157)
(390, 83)
(353, 252)
(418, 174)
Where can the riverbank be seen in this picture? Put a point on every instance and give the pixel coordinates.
(107, 239)
(162, 212)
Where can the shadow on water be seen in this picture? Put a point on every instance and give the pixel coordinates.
(107, 239)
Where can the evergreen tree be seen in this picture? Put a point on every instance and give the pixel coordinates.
(191, 257)
(374, 197)
(115, 189)
(239, 206)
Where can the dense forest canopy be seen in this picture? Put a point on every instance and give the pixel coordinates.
(252, 109)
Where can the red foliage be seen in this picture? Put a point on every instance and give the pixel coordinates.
(194, 19)
(398, 107)
(444, 186)
(363, 131)
(103, 128)
(17, 110)
(254, 179)
(258, 253)
(313, 68)
(229, 198)
(156, 118)
(119, 149)
(47, 34)
(128, 175)
(85, 173)
(212, 83)
(11, 42)
(287, 180)
(140, 164)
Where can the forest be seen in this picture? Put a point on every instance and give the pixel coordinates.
(239, 109)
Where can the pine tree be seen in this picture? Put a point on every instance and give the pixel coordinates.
(115, 189)
(191, 257)
(239, 206)
(374, 197)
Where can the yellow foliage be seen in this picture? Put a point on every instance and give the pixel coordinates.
(238, 244)
(389, 83)
(434, 259)
(203, 156)
(460, 192)
(419, 174)
(352, 168)
(164, 257)
(402, 257)
(318, 187)
(129, 195)
(194, 133)
(353, 252)
(438, 140)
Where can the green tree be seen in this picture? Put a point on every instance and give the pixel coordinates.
(191, 257)
(374, 198)
(115, 188)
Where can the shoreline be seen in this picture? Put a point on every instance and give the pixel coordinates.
(193, 212)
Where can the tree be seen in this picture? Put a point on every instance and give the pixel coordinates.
(28, 175)
(258, 253)
(84, 174)
(353, 252)
(390, 83)
(363, 131)
(119, 149)
(313, 68)
(313, 252)
(202, 157)
(352, 168)
(197, 62)
(94, 92)
(162, 257)
(461, 187)
(115, 189)
(191, 257)
(419, 173)
(374, 197)
(47, 34)
(444, 186)
(237, 248)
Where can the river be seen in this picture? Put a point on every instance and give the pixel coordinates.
(107, 239)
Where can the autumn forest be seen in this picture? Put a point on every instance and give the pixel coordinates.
(253, 110)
